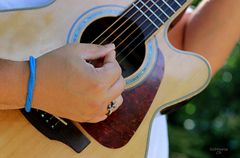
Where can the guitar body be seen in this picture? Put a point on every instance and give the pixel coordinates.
(166, 77)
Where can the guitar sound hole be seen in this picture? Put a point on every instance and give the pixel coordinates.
(127, 37)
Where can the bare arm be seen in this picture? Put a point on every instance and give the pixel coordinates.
(66, 85)
(13, 84)
(212, 30)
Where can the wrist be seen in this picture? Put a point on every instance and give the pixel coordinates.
(13, 84)
(44, 84)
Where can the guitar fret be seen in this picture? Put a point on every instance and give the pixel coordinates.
(145, 15)
(165, 8)
(178, 3)
(181, 2)
(173, 4)
(150, 15)
(160, 8)
(152, 12)
(174, 11)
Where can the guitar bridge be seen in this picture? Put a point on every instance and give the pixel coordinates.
(58, 129)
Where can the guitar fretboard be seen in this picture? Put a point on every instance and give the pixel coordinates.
(150, 15)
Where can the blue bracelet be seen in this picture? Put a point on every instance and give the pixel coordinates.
(31, 83)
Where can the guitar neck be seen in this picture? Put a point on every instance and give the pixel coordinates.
(150, 15)
(140, 21)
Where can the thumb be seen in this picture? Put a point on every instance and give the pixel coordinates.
(92, 52)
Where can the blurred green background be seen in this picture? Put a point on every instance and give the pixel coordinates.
(209, 125)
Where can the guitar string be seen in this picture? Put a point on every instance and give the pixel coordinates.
(140, 25)
(121, 17)
(128, 11)
(122, 23)
(139, 9)
(131, 16)
(134, 39)
(137, 44)
(134, 32)
(140, 42)
(127, 27)
(137, 36)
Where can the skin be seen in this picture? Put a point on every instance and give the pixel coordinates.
(212, 30)
(83, 92)
(72, 88)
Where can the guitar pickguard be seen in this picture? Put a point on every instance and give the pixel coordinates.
(118, 129)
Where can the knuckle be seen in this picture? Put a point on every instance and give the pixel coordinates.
(120, 100)
(100, 106)
(119, 70)
(98, 85)
(114, 52)
(122, 85)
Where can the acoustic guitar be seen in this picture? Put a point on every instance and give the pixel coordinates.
(158, 76)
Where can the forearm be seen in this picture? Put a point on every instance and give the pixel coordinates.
(213, 30)
(13, 84)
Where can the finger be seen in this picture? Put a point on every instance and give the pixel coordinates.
(92, 52)
(110, 57)
(118, 102)
(103, 115)
(114, 93)
(116, 89)
(111, 70)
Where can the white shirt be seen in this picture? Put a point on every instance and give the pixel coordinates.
(158, 143)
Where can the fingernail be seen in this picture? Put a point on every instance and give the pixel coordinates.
(110, 46)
